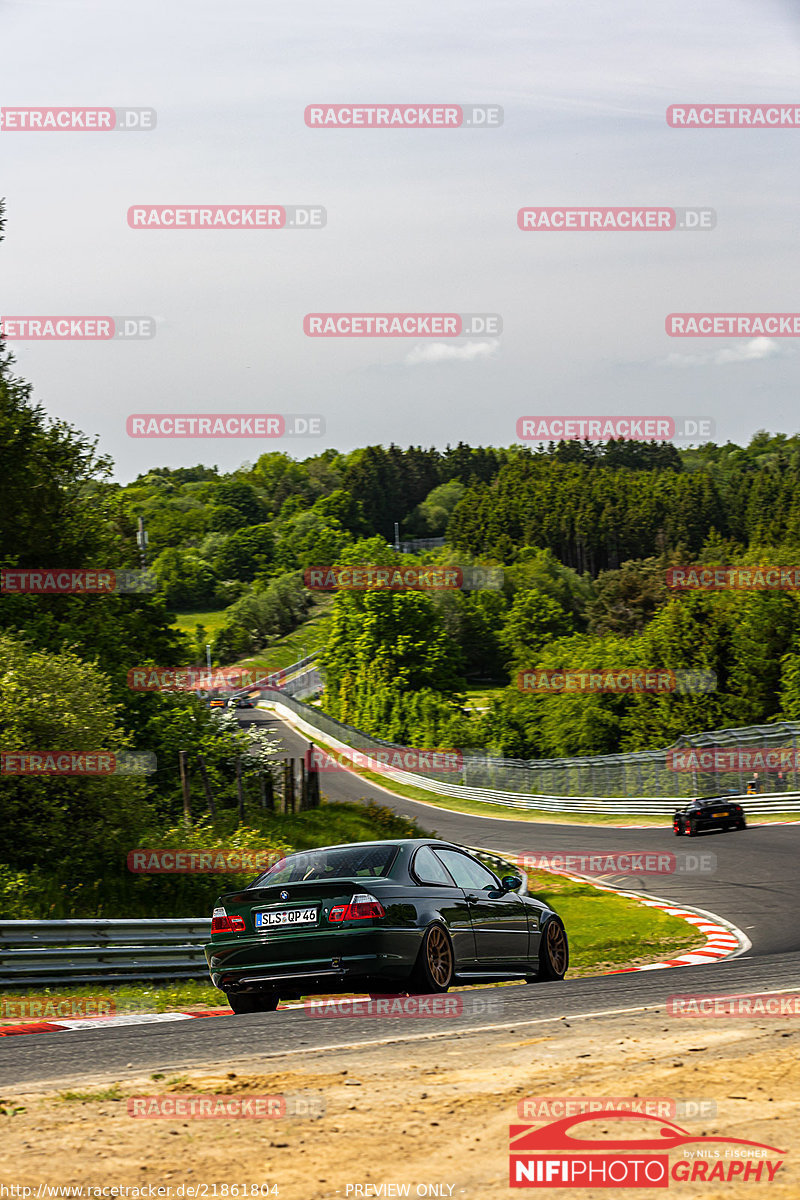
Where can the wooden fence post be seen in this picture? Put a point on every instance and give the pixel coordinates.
(267, 789)
(288, 785)
(201, 760)
(239, 788)
(183, 767)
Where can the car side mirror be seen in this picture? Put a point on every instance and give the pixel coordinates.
(511, 883)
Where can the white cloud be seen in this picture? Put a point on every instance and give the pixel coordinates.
(438, 352)
(752, 351)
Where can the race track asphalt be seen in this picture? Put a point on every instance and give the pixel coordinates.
(755, 885)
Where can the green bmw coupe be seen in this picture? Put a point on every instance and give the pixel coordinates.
(408, 915)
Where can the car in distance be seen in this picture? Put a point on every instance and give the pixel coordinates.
(713, 812)
(218, 702)
(243, 701)
(414, 915)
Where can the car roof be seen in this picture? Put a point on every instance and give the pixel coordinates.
(411, 842)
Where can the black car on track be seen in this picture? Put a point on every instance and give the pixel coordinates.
(413, 915)
(710, 812)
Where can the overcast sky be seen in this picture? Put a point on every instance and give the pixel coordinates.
(417, 220)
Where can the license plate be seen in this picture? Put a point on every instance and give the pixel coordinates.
(722, 814)
(287, 916)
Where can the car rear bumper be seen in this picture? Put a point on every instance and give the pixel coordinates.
(312, 962)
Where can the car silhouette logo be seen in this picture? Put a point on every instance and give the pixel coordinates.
(284, 895)
(556, 1136)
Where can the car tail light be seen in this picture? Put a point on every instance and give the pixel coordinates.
(362, 907)
(222, 923)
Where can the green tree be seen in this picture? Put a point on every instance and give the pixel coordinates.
(533, 621)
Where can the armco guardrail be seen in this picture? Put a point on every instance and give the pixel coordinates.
(316, 724)
(300, 679)
(102, 951)
(105, 951)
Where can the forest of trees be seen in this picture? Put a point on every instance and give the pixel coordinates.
(582, 535)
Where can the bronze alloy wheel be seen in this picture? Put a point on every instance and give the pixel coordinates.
(439, 957)
(553, 952)
(557, 947)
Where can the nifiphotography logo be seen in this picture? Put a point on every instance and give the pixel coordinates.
(558, 1155)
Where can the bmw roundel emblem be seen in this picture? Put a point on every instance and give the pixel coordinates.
(284, 895)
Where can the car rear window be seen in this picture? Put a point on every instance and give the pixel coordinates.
(345, 862)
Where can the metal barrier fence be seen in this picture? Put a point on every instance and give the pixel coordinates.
(414, 545)
(43, 953)
(650, 781)
(292, 680)
(308, 683)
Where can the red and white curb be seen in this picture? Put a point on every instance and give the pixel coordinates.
(72, 1023)
(723, 939)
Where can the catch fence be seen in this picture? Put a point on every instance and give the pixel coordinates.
(649, 781)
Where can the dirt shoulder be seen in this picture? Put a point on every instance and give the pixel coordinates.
(427, 1113)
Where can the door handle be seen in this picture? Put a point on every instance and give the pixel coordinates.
(472, 899)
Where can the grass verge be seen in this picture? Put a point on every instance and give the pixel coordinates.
(308, 638)
(211, 621)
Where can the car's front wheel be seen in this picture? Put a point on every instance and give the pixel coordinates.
(553, 950)
(250, 1002)
(435, 964)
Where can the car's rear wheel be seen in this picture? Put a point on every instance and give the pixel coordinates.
(435, 965)
(677, 829)
(553, 950)
(250, 1002)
